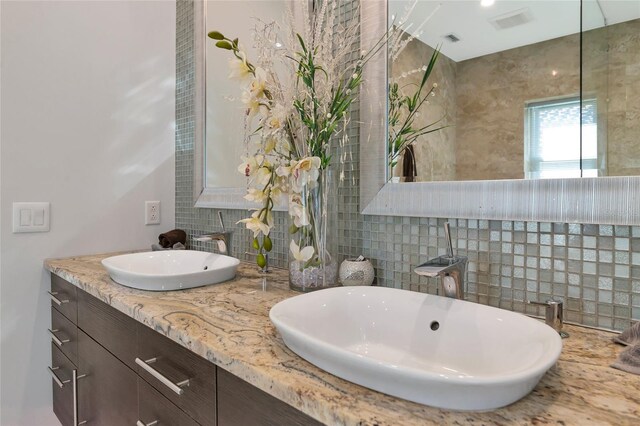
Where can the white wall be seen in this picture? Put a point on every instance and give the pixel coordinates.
(87, 123)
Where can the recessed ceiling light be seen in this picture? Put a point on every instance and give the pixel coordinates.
(487, 3)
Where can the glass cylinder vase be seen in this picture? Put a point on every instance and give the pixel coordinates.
(312, 225)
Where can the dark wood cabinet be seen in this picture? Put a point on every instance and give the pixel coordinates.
(107, 394)
(240, 403)
(64, 334)
(63, 298)
(62, 384)
(109, 327)
(129, 374)
(153, 407)
(178, 365)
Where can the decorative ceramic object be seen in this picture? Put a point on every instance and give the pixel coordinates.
(356, 272)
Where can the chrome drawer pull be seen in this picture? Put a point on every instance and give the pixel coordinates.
(55, 338)
(176, 387)
(54, 376)
(75, 378)
(53, 294)
(153, 423)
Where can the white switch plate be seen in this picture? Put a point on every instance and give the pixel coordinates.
(152, 212)
(31, 217)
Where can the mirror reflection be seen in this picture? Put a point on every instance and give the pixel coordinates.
(517, 90)
(224, 138)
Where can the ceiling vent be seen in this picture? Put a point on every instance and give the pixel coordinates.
(452, 38)
(512, 19)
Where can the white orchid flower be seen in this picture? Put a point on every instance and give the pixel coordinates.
(297, 211)
(303, 255)
(250, 165)
(254, 105)
(255, 195)
(286, 170)
(277, 118)
(262, 176)
(309, 164)
(239, 67)
(255, 224)
(259, 83)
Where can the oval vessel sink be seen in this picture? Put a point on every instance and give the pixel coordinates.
(428, 349)
(170, 270)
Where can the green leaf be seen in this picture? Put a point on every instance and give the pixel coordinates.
(224, 45)
(304, 49)
(216, 35)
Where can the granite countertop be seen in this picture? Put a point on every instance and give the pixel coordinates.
(229, 325)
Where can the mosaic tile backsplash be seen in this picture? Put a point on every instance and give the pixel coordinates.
(594, 268)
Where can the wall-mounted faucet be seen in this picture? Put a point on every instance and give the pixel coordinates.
(553, 314)
(449, 267)
(222, 238)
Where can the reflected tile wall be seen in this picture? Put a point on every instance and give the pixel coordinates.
(595, 268)
(611, 74)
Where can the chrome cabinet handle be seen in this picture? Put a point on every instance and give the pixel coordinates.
(176, 387)
(153, 423)
(55, 338)
(53, 294)
(75, 377)
(54, 376)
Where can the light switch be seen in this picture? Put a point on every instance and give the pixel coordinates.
(31, 217)
(38, 217)
(25, 217)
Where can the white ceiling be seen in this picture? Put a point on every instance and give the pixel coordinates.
(468, 20)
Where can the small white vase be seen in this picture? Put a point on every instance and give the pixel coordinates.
(356, 272)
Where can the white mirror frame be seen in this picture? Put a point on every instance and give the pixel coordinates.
(227, 198)
(604, 200)
(207, 197)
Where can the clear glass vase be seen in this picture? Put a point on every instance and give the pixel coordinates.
(312, 225)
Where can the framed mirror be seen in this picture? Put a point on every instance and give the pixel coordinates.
(219, 138)
(521, 111)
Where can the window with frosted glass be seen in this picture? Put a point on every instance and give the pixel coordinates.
(552, 139)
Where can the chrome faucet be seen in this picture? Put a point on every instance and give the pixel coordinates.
(553, 314)
(222, 238)
(449, 267)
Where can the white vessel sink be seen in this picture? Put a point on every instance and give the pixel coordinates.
(170, 270)
(428, 349)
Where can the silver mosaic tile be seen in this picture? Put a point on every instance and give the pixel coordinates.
(595, 268)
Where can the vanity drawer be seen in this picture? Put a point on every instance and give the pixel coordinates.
(64, 334)
(240, 403)
(114, 330)
(153, 407)
(164, 364)
(62, 368)
(64, 298)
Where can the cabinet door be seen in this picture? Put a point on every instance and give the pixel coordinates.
(153, 407)
(107, 395)
(64, 298)
(240, 403)
(62, 372)
(163, 364)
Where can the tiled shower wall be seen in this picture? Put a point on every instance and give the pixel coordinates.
(594, 268)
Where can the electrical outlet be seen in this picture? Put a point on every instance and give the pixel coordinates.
(152, 212)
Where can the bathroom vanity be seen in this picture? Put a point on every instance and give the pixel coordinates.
(124, 356)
